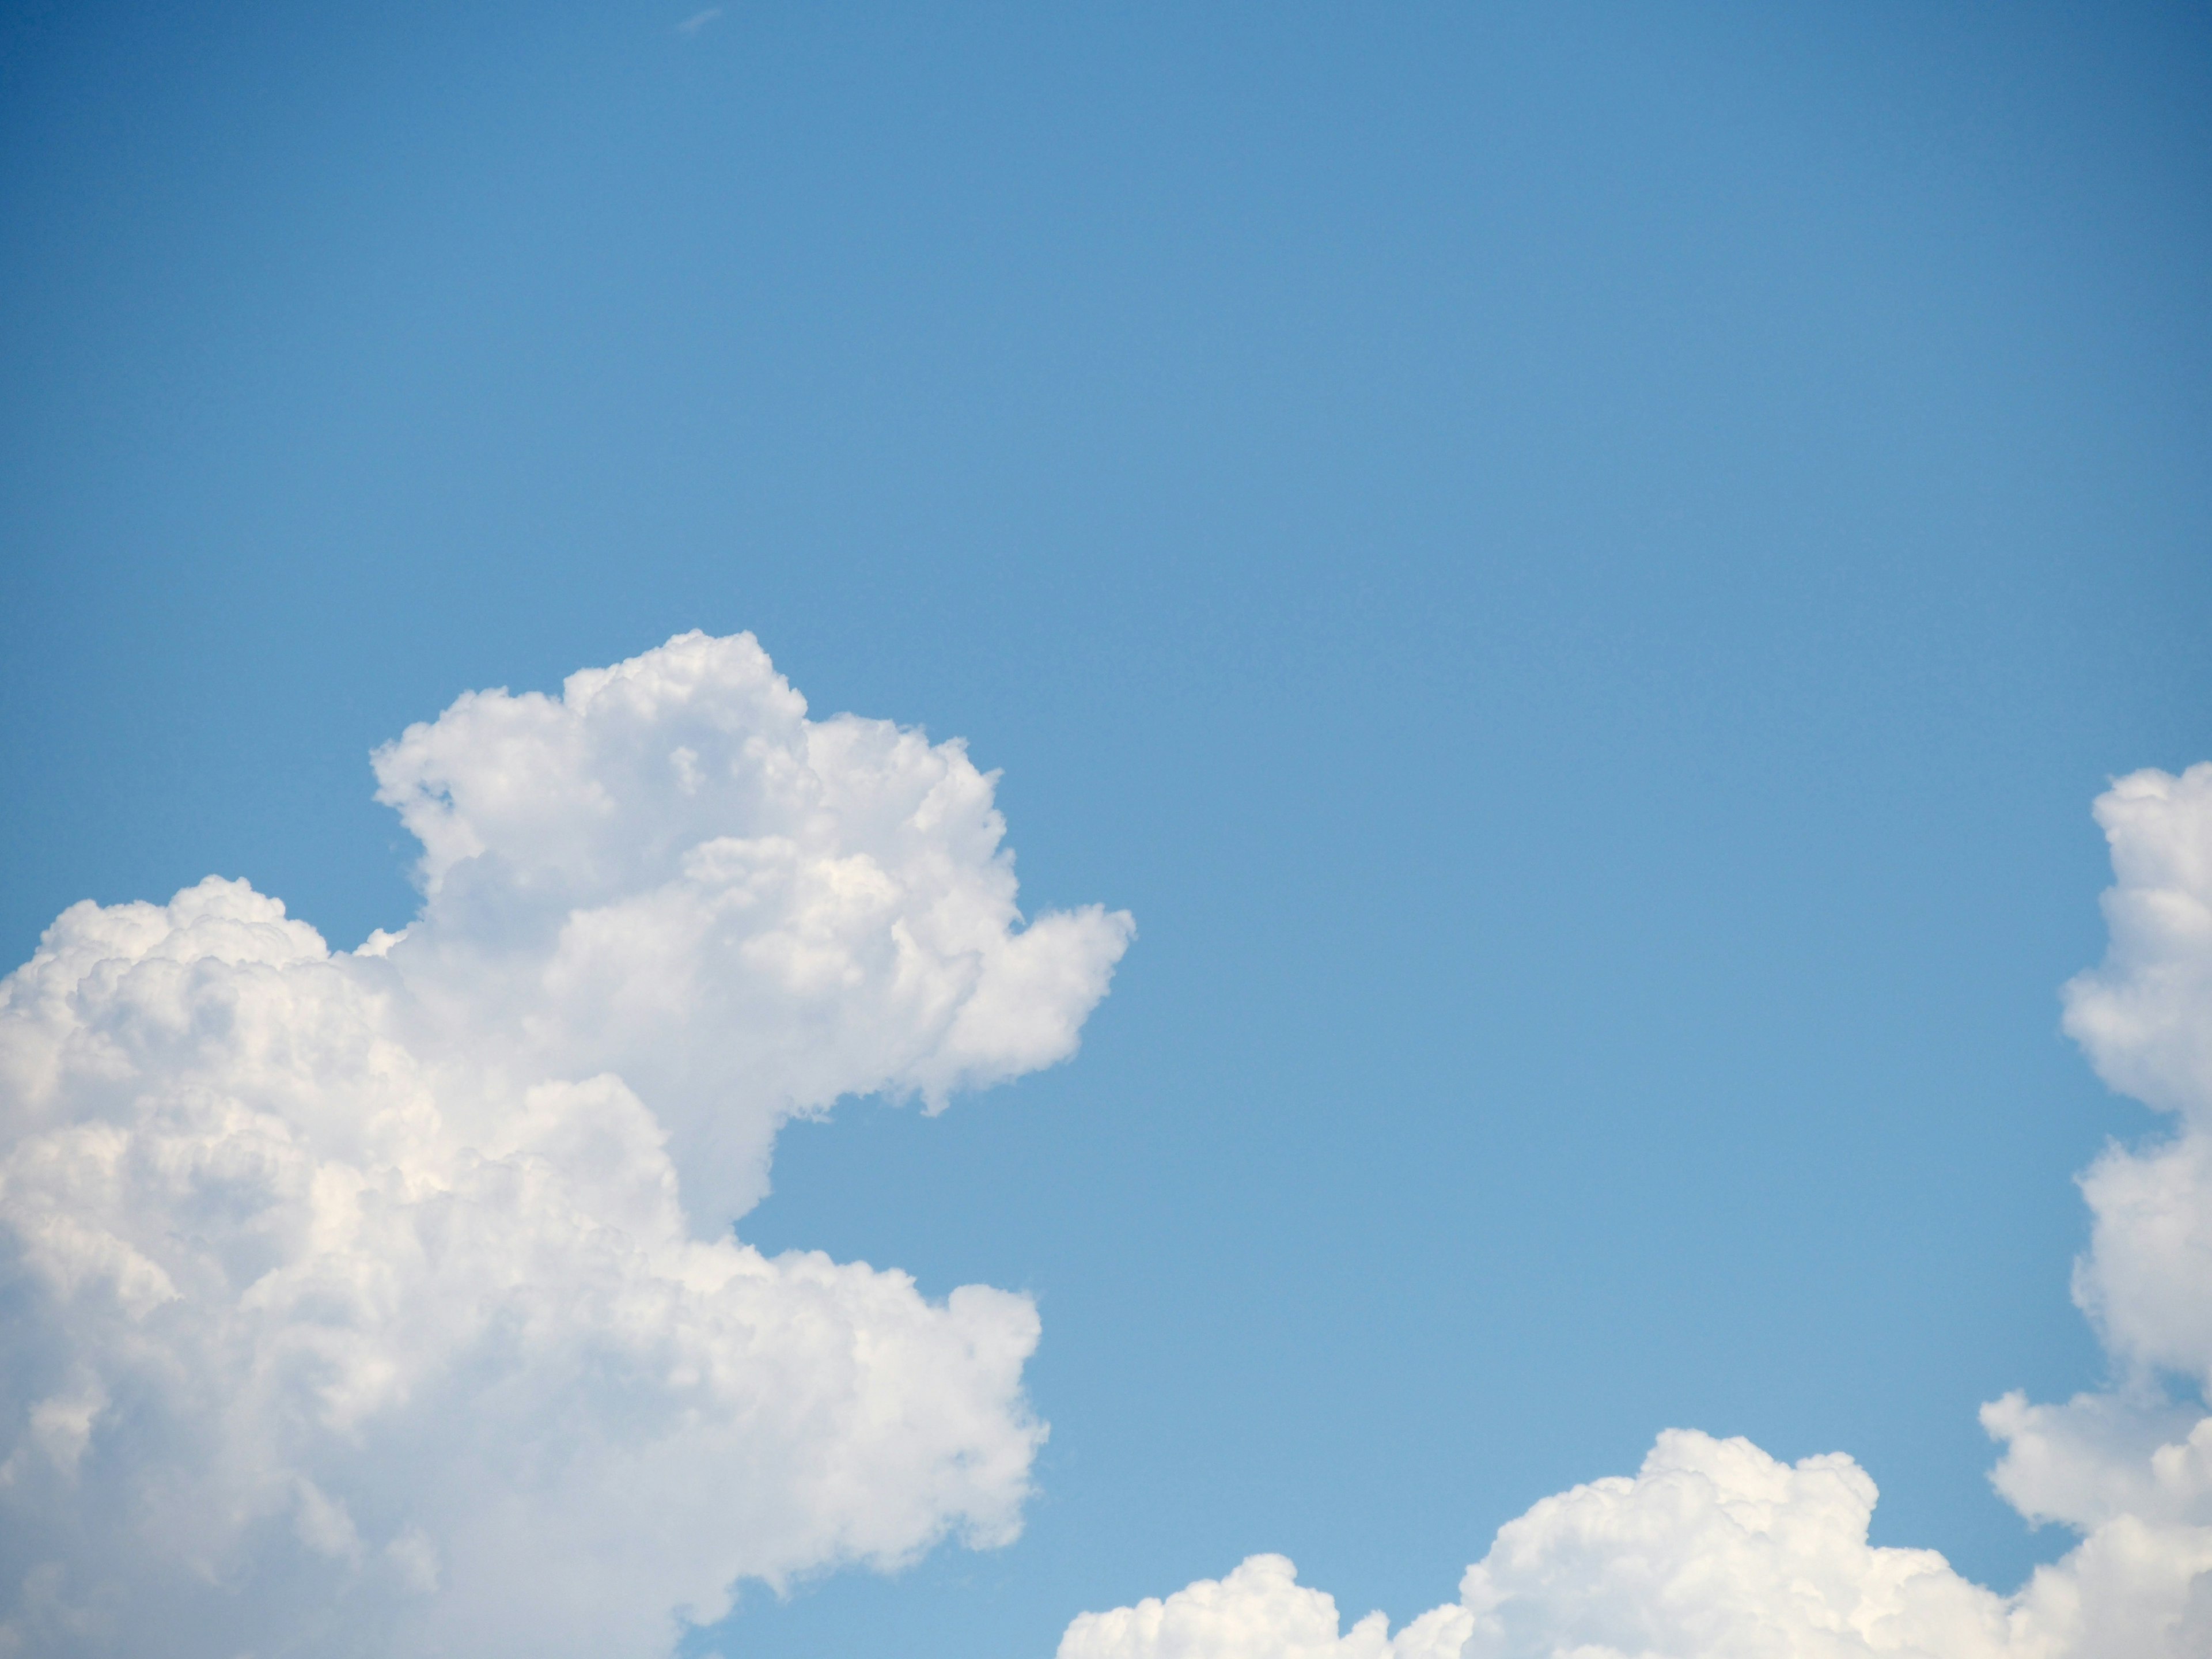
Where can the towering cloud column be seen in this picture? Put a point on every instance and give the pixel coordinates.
(1713, 1550)
(384, 1303)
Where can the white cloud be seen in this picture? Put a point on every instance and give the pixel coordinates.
(2142, 1015)
(671, 873)
(383, 1302)
(1260, 1608)
(1713, 1550)
(2145, 1018)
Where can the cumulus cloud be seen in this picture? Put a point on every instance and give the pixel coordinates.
(1260, 1608)
(1713, 1550)
(2145, 1019)
(384, 1302)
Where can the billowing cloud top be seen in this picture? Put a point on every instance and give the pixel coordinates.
(670, 872)
(1714, 1550)
(384, 1302)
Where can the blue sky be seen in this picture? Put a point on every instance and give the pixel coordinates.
(1577, 569)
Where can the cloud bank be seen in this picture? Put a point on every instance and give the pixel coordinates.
(1713, 1550)
(384, 1302)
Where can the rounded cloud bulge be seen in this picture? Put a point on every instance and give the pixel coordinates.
(384, 1302)
(671, 873)
(1714, 1550)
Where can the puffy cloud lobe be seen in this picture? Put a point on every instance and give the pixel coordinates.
(2145, 1018)
(2141, 1015)
(670, 872)
(2101, 1457)
(1716, 1550)
(359, 1303)
(1260, 1608)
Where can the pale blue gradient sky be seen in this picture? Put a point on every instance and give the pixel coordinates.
(1577, 568)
